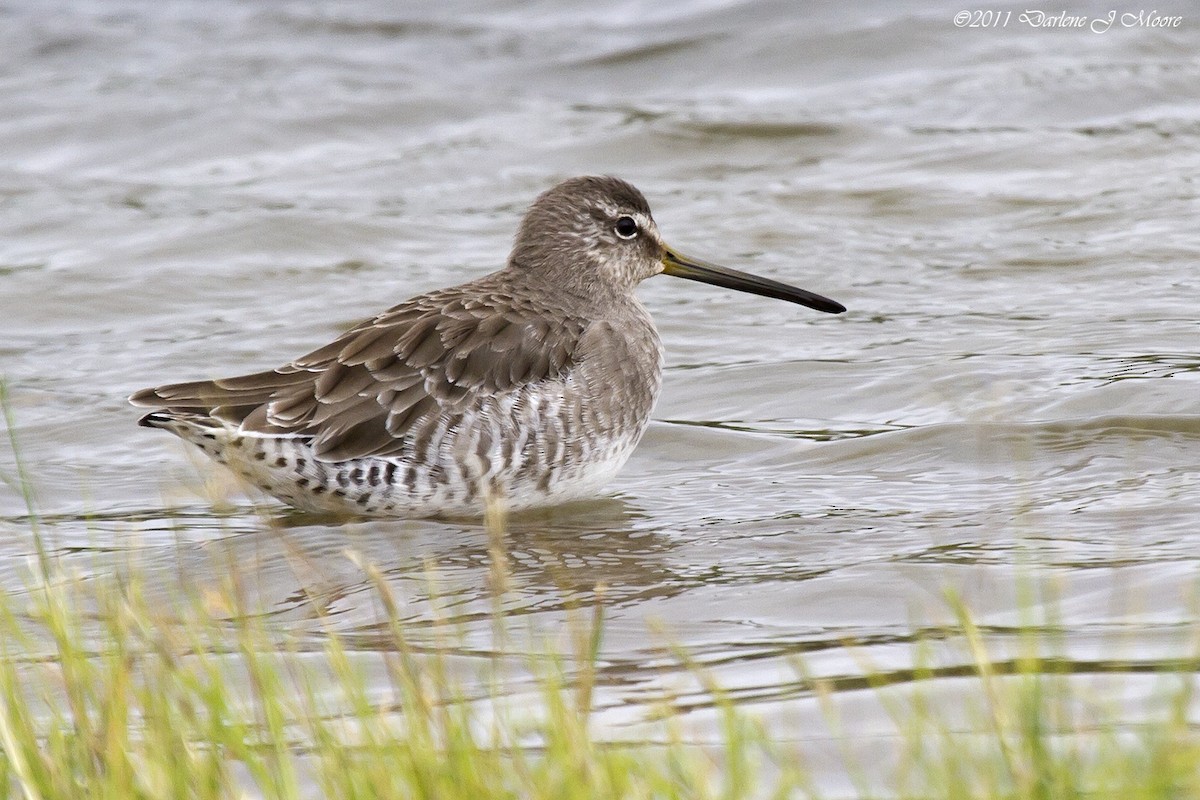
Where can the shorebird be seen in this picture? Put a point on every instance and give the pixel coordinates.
(527, 387)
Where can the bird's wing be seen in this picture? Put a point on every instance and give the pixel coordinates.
(360, 394)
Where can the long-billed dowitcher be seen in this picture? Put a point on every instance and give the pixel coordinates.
(527, 387)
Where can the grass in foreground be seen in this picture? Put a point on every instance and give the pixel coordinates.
(105, 695)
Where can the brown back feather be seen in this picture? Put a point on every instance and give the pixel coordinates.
(362, 393)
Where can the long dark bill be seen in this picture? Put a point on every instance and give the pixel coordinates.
(681, 266)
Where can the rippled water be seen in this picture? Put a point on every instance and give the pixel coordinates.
(196, 189)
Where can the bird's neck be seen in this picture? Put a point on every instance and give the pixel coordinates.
(576, 288)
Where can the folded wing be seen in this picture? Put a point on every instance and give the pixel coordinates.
(359, 395)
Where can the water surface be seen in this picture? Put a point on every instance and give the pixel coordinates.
(195, 189)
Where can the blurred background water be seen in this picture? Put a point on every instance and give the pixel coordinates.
(194, 189)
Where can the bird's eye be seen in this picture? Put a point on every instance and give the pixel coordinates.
(626, 227)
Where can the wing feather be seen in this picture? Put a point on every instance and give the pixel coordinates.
(363, 393)
(340, 382)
